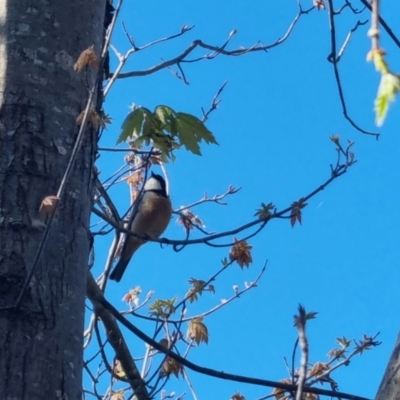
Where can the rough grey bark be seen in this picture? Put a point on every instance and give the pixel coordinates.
(389, 388)
(40, 98)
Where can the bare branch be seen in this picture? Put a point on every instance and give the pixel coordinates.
(384, 25)
(214, 104)
(116, 340)
(339, 170)
(124, 58)
(300, 323)
(333, 59)
(217, 374)
(215, 199)
(353, 9)
(217, 50)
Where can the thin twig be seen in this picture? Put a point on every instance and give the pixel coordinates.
(333, 59)
(210, 372)
(199, 43)
(300, 322)
(237, 294)
(124, 58)
(347, 40)
(189, 383)
(384, 24)
(296, 343)
(214, 104)
(342, 169)
(215, 199)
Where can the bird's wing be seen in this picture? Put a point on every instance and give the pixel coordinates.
(135, 209)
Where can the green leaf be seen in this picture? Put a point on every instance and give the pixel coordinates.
(166, 117)
(132, 125)
(151, 126)
(163, 308)
(389, 86)
(139, 141)
(311, 315)
(165, 114)
(165, 129)
(265, 211)
(191, 131)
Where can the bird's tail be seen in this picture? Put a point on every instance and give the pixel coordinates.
(119, 269)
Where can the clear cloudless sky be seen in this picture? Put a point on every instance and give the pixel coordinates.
(273, 126)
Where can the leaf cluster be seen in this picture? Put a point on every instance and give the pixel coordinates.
(163, 308)
(197, 289)
(166, 130)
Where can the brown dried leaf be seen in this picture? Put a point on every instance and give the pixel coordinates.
(188, 220)
(48, 205)
(118, 395)
(132, 296)
(79, 118)
(156, 160)
(197, 331)
(241, 253)
(280, 393)
(135, 180)
(101, 120)
(295, 214)
(318, 369)
(94, 119)
(171, 366)
(87, 58)
(198, 286)
(337, 354)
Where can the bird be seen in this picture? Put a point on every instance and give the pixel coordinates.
(150, 217)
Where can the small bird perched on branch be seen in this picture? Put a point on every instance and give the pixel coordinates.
(150, 217)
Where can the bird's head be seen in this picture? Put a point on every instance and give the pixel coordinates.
(155, 183)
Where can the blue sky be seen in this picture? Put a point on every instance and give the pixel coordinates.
(273, 126)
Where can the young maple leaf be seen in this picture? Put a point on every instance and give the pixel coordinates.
(189, 220)
(241, 253)
(197, 331)
(132, 296)
(295, 214)
(171, 366)
(198, 286)
(265, 211)
(318, 369)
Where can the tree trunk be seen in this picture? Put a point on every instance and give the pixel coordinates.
(389, 388)
(40, 97)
